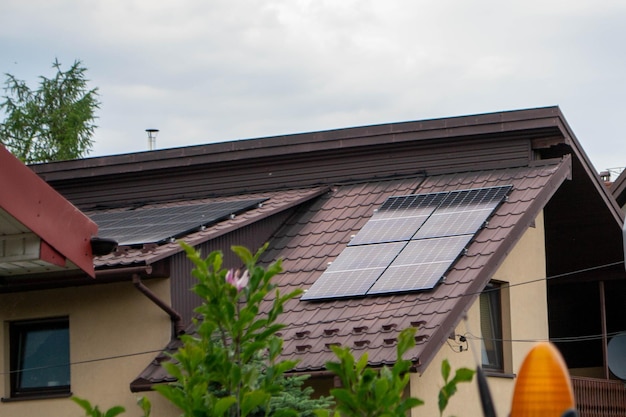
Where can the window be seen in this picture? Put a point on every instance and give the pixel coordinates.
(40, 357)
(491, 327)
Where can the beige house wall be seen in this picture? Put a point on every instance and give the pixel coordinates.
(115, 331)
(527, 320)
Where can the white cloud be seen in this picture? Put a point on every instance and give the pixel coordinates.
(226, 69)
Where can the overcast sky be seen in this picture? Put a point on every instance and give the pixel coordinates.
(207, 71)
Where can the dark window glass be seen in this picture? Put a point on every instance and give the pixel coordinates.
(40, 357)
(491, 327)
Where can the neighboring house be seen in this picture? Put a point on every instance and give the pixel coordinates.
(497, 218)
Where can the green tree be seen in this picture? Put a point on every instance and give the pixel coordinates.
(52, 123)
(218, 370)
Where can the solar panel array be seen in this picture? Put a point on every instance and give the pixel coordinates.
(409, 243)
(161, 224)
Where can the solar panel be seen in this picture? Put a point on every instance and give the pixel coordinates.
(473, 199)
(429, 232)
(398, 218)
(462, 212)
(160, 224)
(453, 223)
(354, 271)
(421, 264)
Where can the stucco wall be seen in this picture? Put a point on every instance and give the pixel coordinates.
(524, 269)
(115, 332)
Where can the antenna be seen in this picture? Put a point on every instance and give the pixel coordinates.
(152, 134)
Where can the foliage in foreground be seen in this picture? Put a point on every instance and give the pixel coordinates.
(367, 392)
(53, 122)
(231, 366)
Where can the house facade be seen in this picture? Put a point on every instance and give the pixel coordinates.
(487, 233)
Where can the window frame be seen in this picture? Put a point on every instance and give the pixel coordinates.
(18, 331)
(491, 297)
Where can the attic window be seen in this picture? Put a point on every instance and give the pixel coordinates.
(408, 244)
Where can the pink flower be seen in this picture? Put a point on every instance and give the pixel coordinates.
(233, 278)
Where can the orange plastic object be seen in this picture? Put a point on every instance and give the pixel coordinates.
(543, 387)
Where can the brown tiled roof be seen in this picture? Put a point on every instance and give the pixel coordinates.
(318, 235)
(277, 202)
(372, 323)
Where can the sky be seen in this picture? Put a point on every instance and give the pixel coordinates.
(205, 71)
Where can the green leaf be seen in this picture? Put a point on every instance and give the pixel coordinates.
(406, 340)
(114, 411)
(84, 404)
(252, 400)
(445, 370)
(223, 405)
(411, 402)
(145, 405)
(345, 398)
(285, 413)
(463, 375)
(244, 254)
(381, 388)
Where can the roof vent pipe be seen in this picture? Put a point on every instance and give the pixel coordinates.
(152, 134)
(177, 319)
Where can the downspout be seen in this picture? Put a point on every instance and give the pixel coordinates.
(177, 319)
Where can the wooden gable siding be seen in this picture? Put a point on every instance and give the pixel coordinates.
(253, 237)
(190, 181)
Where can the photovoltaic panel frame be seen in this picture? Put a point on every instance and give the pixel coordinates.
(161, 224)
